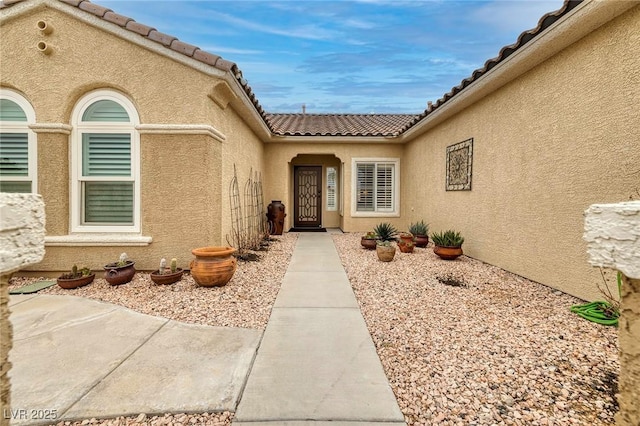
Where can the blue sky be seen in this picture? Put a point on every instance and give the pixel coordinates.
(365, 56)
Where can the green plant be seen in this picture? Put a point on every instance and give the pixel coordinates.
(174, 265)
(123, 260)
(76, 273)
(449, 238)
(384, 243)
(385, 231)
(419, 228)
(370, 236)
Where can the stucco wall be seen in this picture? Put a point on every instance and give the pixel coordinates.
(183, 202)
(279, 176)
(546, 146)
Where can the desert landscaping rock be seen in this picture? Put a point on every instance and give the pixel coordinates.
(499, 350)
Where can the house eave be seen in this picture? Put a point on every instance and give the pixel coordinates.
(329, 139)
(576, 24)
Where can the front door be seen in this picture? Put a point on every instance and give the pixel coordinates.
(307, 187)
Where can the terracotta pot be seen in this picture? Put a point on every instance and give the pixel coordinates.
(368, 243)
(422, 240)
(213, 266)
(70, 283)
(448, 253)
(406, 247)
(167, 277)
(385, 253)
(275, 216)
(407, 238)
(117, 275)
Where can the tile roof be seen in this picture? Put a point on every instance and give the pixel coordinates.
(338, 124)
(315, 124)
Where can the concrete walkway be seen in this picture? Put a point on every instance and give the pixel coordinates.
(76, 358)
(317, 361)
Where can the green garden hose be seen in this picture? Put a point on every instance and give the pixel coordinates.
(599, 312)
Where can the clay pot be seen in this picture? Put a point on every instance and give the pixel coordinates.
(368, 243)
(406, 247)
(385, 253)
(117, 275)
(71, 283)
(448, 253)
(167, 277)
(406, 237)
(421, 240)
(213, 266)
(275, 216)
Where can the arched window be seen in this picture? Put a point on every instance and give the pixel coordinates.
(18, 148)
(105, 195)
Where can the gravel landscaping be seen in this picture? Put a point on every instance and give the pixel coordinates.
(462, 342)
(499, 349)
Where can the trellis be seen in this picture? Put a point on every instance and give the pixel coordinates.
(248, 230)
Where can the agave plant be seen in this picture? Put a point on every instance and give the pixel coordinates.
(385, 231)
(448, 238)
(419, 228)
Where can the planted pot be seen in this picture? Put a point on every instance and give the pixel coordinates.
(71, 283)
(406, 247)
(385, 252)
(213, 266)
(407, 238)
(368, 243)
(167, 277)
(117, 275)
(421, 240)
(448, 253)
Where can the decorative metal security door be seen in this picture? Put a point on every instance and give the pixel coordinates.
(307, 186)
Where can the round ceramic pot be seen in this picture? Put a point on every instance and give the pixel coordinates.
(117, 275)
(422, 240)
(448, 253)
(385, 253)
(407, 238)
(406, 248)
(213, 266)
(166, 278)
(368, 243)
(72, 283)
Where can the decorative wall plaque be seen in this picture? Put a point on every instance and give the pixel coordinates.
(459, 159)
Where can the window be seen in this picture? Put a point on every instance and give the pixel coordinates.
(375, 187)
(331, 189)
(105, 164)
(18, 148)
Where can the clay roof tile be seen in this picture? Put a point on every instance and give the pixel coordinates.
(96, 9)
(117, 19)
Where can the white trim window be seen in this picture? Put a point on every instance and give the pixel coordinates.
(376, 187)
(18, 144)
(105, 164)
(332, 188)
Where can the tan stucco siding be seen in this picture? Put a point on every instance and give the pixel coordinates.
(278, 159)
(546, 146)
(182, 189)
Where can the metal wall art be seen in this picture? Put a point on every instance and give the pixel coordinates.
(459, 159)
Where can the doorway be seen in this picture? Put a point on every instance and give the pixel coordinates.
(307, 202)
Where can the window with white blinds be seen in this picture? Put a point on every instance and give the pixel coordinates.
(17, 144)
(376, 186)
(332, 204)
(106, 165)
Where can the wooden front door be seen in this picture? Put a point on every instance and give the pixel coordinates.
(307, 187)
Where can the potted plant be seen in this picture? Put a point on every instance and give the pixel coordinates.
(120, 272)
(384, 248)
(406, 246)
(167, 276)
(369, 240)
(448, 244)
(213, 266)
(407, 237)
(76, 278)
(420, 231)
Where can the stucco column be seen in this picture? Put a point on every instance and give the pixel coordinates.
(612, 232)
(21, 244)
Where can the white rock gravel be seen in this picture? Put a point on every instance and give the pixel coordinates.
(503, 350)
(245, 301)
